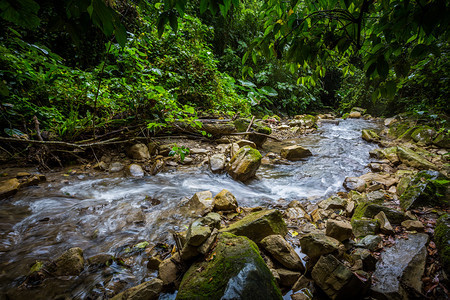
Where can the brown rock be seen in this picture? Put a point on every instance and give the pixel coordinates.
(148, 290)
(138, 151)
(295, 152)
(283, 252)
(288, 277)
(340, 230)
(9, 188)
(225, 201)
(412, 225)
(70, 263)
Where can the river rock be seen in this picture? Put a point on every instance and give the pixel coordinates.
(443, 140)
(258, 225)
(401, 266)
(283, 252)
(413, 225)
(340, 230)
(370, 135)
(413, 159)
(9, 187)
(148, 290)
(135, 170)
(244, 164)
(116, 167)
(235, 271)
(336, 280)
(363, 227)
(385, 225)
(138, 151)
(197, 234)
(354, 115)
(219, 129)
(355, 183)
(217, 162)
(225, 201)
(201, 202)
(370, 242)
(368, 210)
(423, 135)
(295, 152)
(287, 277)
(317, 244)
(426, 188)
(307, 121)
(334, 202)
(442, 238)
(296, 213)
(170, 271)
(70, 263)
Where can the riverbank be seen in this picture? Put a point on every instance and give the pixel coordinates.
(90, 192)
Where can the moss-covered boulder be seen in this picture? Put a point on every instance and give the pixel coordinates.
(443, 139)
(370, 135)
(387, 153)
(426, 188)
(413, 159)
(244, 164)
(442, 238)
(258, 225)
(423, 135)
(235, 270)
(397, 129)
(406, 136)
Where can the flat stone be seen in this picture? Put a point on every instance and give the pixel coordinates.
(413, 159)
(340, 230)
(355, 183)
(258, 225)
(333, 202)
(197, 234)
(243, 143)
(370, 242)
(116, 167)
(363, 227)
(411, 225)
(401, 265)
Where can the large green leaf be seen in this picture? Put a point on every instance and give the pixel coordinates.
(20, 12)
(269, 91)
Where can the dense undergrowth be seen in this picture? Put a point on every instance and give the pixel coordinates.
(79, 83)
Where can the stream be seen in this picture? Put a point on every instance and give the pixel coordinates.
(104, 213)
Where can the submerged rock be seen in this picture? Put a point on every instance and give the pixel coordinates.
(70, 263)
(148, 290)
(244, 164)
(258, 225)
(400, 267)
(234, 271)
(336, 280)
(426, 188)
(283, 252)
(295, 152)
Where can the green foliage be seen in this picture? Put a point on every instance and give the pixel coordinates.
(180, 151)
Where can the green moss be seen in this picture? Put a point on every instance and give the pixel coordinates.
(441, 238)
(443, 139)
(406, 136)
(209, 279)
(397, 129)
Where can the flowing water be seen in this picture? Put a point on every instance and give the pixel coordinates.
(105, 213)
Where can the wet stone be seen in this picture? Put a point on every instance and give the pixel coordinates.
(283, 252)
(370, 242)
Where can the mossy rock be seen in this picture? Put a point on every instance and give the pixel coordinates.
(235, 270)
(403, 184)
(443, 139)
(368, 210)
(370, 135)
(423, 135)
(258, 225)
(426, 188)
(442, 238)
(406, 136)
(242, 124)
(363, 227)
(397, 129)
(413, 159)
(244, 164)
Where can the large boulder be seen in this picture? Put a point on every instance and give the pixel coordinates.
(70, 263)
(9, 187)
(336, 280)
(244, 164)
(307, 121)
(423, 135)
(413, 159)
(148, 290)
(235, 271)
(426, 188)
(138, 151)
(225, 200)
(442, 238)
(258, 225)
(283, 252)
(295, 152)
(401, 268)
(317, 244)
